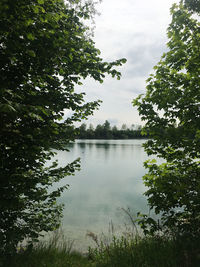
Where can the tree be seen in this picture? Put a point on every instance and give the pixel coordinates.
(90, 131)
(82, 131)
(171, 109)
(45, 51)
(99, 131)
(193, 5)
(124, 127)
(115, 132)
(106, 126)
(107, 130)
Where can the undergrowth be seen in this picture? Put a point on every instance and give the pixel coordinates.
(124, 251)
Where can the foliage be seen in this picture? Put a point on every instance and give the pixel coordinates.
(120, 252)
(133, 252)
(55, 252)
(45, 51)
(171, 109)
(193, 5)
(106, 132)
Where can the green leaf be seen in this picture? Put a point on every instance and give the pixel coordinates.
(7, 108)
(31, 53)
(30, 36)
(36, 9)
(42, 40)
(29, 22)
(170, 109)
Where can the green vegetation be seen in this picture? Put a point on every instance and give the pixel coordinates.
(55, 253)
(105, 131)
(152, 251)
(46, 49)
(171, 109)
(120, 252)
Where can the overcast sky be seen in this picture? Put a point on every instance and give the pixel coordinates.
(135, 30)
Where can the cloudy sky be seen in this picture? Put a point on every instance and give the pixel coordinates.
(135, 30)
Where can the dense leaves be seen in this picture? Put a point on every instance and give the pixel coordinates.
(45, 50)
(193, 5)
(171, 109)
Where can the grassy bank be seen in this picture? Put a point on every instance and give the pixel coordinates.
(120, 252)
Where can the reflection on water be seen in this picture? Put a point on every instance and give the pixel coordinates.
(110, 179)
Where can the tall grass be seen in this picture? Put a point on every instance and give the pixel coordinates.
(125, 251)
(55, 252)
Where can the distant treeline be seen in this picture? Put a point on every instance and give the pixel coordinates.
(105, 131)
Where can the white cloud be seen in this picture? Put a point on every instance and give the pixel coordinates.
(135, 30)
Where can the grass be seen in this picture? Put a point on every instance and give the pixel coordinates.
(146, 251)
(56, 252)
(120, 252)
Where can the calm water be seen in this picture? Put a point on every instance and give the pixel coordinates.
(110, 179)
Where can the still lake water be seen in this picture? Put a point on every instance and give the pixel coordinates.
(110, 179)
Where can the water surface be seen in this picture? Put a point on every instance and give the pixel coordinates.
(110, 179)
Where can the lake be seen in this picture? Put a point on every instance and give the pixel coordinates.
(110, 179)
